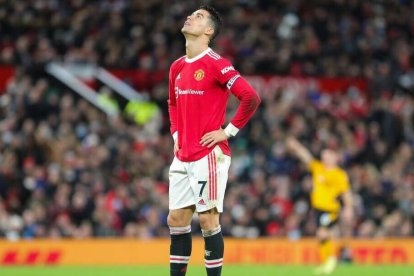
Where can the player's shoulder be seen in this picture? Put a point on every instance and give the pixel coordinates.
(343, 172)
(340, 172)
(212, 55)
(220, 63)
(216, 58)
(178, 62)
(315, 163)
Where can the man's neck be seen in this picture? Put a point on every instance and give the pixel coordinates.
(194, 48)
(330, 166)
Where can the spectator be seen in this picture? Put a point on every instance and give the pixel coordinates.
(72, 172)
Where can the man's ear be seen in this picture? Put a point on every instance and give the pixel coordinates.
(209, 31)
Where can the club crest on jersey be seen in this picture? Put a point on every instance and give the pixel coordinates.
(199, 75)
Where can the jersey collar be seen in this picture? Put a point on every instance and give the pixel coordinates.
(197, 57)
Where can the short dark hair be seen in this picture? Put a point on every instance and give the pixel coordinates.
(215, 18)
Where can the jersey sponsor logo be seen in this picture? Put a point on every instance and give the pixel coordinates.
(227, 69)
(199, 75)
(231, 81)
(178, 91)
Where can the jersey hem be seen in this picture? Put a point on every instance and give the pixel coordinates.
(198, 157)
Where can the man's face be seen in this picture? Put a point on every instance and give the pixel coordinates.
(197, 24)
(329, 157)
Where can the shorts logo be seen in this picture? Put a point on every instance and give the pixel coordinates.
(199, 75)
(201, 202)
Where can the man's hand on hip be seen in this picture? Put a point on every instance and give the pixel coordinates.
(176, 148)
(211, 138)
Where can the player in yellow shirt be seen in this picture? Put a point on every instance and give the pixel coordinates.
(330, 183)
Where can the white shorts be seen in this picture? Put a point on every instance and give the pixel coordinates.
(201, 183)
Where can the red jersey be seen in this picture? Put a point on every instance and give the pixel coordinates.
(198, 93)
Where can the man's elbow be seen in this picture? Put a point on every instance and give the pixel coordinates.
(254, 101)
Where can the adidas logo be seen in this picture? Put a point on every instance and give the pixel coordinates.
(201, 202)
(178, 77)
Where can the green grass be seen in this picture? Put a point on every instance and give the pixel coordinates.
(230, 270)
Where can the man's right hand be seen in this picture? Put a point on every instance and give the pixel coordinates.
(176, 148)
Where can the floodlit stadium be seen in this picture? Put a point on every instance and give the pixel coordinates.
(101, 102)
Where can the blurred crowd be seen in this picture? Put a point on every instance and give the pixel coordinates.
(322, 37)
(67, 170)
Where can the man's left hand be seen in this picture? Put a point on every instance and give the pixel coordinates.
(211, 138)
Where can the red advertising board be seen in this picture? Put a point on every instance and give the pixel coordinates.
(238, 251)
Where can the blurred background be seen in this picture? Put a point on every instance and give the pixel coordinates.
(83, 155)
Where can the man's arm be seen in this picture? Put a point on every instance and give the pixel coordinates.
(172, 109)
(228, 76)
(295, 147)
(249, 101)
(172, 105)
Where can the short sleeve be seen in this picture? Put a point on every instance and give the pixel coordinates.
(315, 165)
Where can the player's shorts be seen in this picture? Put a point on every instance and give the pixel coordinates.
(201, 183)
(325, 219)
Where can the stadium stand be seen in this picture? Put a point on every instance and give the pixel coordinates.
(68, 170)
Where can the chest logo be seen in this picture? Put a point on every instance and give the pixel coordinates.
(199, 75)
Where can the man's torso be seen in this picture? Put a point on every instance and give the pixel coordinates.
(328, 185)
(201, 102)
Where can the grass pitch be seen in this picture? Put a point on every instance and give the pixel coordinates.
(229, 270)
